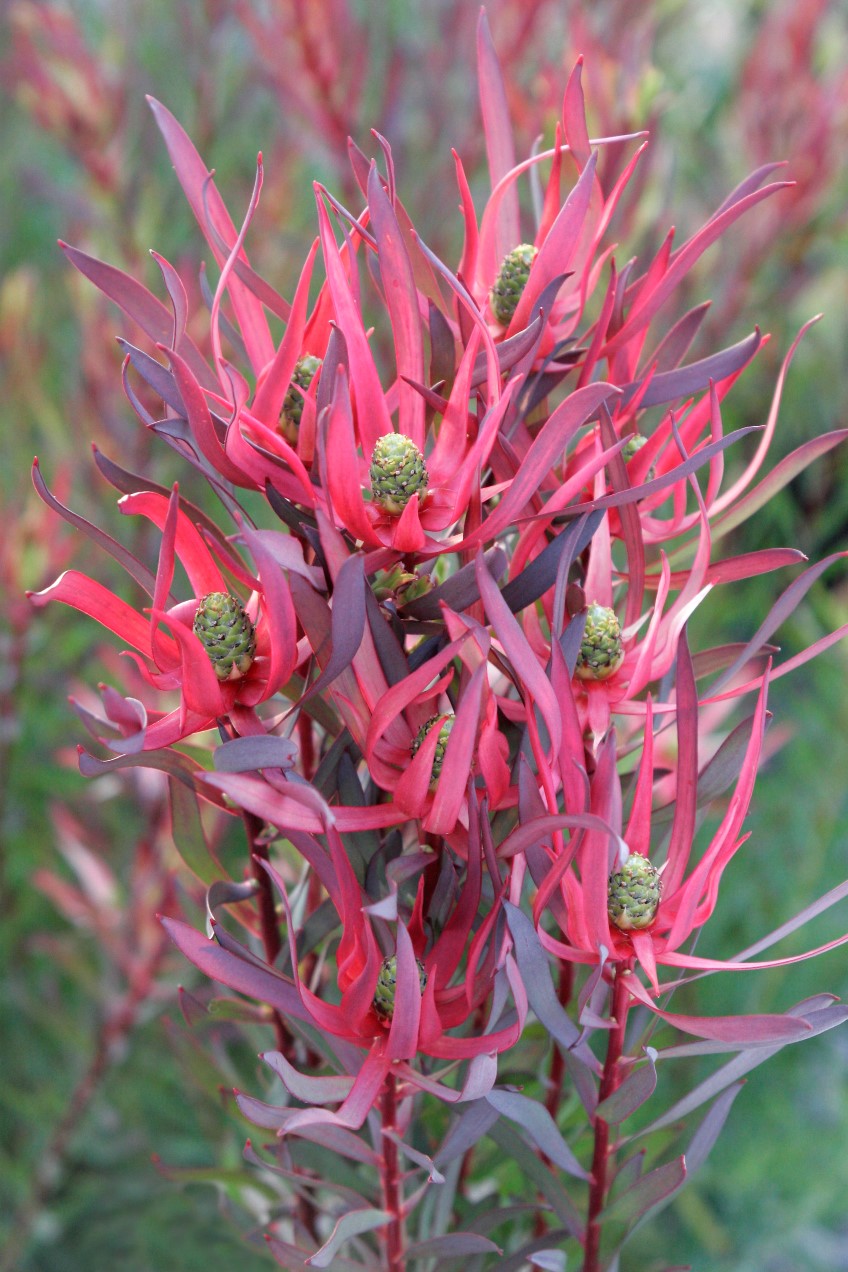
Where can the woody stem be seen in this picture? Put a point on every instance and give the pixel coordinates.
(391, 1180)
(610, 1080)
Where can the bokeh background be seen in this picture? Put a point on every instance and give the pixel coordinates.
(99, 1076)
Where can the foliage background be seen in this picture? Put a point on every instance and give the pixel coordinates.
(77, 1187)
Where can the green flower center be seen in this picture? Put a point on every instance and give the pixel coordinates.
(384, 994)
(397, 473)
(601, 652)
(510, 282)
(226, 633)
(441, 746)
(634, 894)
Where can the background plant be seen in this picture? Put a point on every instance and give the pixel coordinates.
(97, 383)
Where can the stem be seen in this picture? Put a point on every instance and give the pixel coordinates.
(554, 1095)
(610, 1080)
(272, 942)
(391, 1180)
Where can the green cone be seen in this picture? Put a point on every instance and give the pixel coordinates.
(384, 994)
(400, 585)
(227, 634)
(511, 281)
(634, 894)
(601, 653)
(305, 370)
(398, 472)
(634, 443)
(441, 745)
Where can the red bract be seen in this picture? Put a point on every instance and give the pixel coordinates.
(167, 652)
(575, 885)
(460, 965)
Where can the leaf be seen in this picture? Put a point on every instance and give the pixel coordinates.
(648, 1193)
(780, 476)
(458, 592)
(534, 966)
(154, 318)
(466, 1131)
(240, 973)
(820, 1021)
(637, 1087)
(142, 575)
(452, 1247)
(537, 1173)
(305, 1087)
(188, 835)
(535, 579)
(717, 775)
(536, 1122)
(353, 1224)
(703, 1141)
(667, 386)
(785, 605)
(248, 754)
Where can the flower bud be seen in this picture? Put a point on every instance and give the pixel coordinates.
(601, 653)
(634, 443)
(511, 281)
(397, 473)
(384, 994)
(400, 585)
(305, 370)
(226, 633)
(634, 894)
(441, 745)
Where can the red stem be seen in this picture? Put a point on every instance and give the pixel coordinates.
(610, 1080)
(272, 942)
(392, 1189)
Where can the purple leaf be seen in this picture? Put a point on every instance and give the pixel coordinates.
(188, 834)
(535, 579)
(718, 774)
(780, 476)
(637, 1087)
(308, 1089)
(165, 760)
(539, 1247)
(458, 592)
(225, 967)
(244, 755)
(537, 1173)
(675, 343)
(128, 483)
(154, 374)
(536, 1122)
(154, 318)
(142, 575)
(648, 1193)
(668, 386)
(455, 1246)
(534, 966)
(703, 1141)
(785, 605)
(353, 1224)
(466, 1131)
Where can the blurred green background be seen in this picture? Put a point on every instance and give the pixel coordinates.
(98, 1070)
